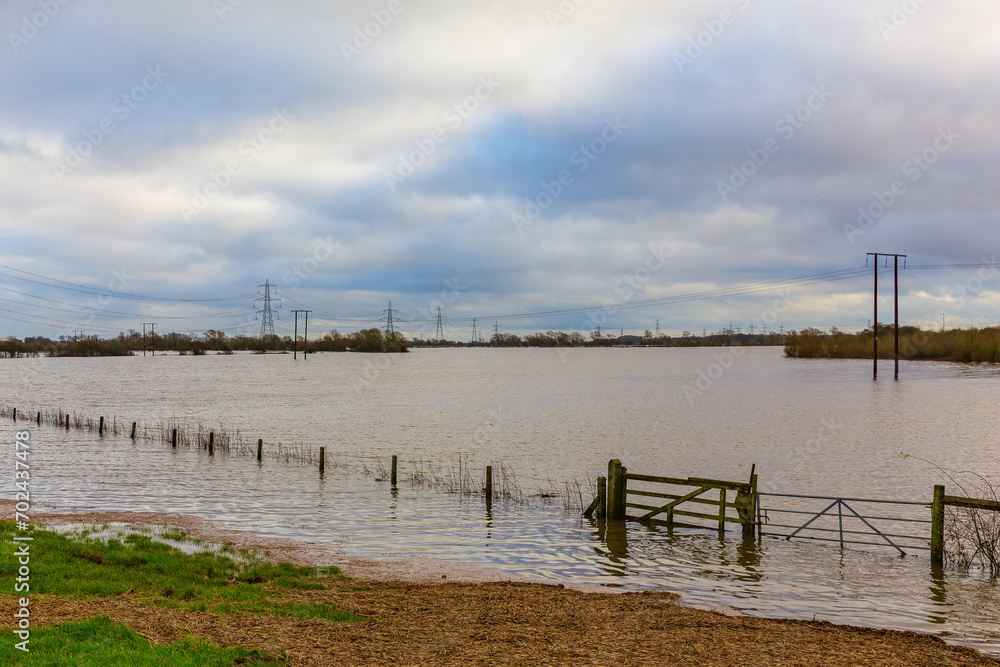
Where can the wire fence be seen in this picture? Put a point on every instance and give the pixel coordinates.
(903, 525)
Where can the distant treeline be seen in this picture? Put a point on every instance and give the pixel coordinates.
(366, 340)
(966, 345)
(576, 339)
(126, 344)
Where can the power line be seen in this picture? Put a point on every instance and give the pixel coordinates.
(86, 289)
(104, 275)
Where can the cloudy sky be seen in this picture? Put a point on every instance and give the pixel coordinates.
(158, 161)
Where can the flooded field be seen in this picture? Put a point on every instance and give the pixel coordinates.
(813, 427)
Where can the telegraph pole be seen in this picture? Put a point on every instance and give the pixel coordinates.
(895, 285)
(295, 334)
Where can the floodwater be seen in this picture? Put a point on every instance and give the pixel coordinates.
(815, 427)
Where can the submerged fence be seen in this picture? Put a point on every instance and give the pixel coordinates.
(494, 481)
(903, 525)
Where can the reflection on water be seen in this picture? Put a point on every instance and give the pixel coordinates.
(550, 420)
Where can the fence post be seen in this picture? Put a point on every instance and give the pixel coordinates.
(211, 443)
(722, 510)
(393, 475)
(937, 526)
(750, 513)
(173, 439)
(322, 457)
(15, 414)
(38, 420)
(602, 496)
(489, 482)
(260, 448)
(67, 421)
(100, 427)
(616, 490)
(133, 430)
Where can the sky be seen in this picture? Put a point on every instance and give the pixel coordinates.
(648, 161)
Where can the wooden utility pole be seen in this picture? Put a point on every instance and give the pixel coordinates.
(895, 281)
(295, 335)
(152, 337)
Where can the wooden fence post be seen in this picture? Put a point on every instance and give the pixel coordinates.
(173, 439)
(392, 476)
(722, 510)
(937, 526)
(100, 427)
(602, 495)
(15, 414)
(489, 482)
(133, 430)
(616, 490)
(260, 448)
(67, 421)
(322, 460)
(38, 420)
(750, 528)
(211, 443)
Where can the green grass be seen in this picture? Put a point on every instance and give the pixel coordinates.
(223, 582)
(100, 642)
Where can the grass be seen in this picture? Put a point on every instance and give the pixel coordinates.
(221, 582)
(100, 642)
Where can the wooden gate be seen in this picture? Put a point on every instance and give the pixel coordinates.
(624, 491)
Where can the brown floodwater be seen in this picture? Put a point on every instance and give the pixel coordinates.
(817, 427)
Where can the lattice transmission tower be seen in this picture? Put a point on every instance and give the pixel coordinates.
(388, 323)
(440, 326)
(266, 317)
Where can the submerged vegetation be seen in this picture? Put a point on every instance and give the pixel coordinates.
(457, 477)
(972, 345)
